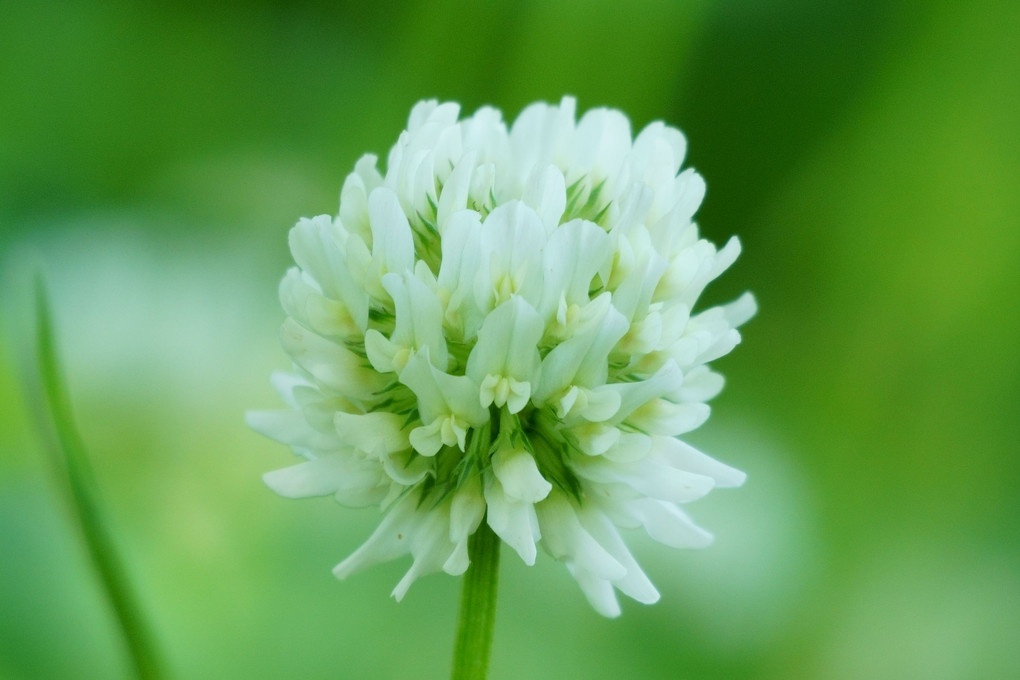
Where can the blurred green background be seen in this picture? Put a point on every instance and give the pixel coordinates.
(154, 155)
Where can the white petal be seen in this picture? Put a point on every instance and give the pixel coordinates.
(353, 483)
(632, 215)
(432, 549)
(318, 477)
(683, 456)
(663, 417)
(546, 193)
(405, 529)
(741, 310)
(466, 512)
(643, 337)
(319, 407)
(723, 346)
(565, 539)
(633, 295)
(602, 405)
(333, 366)
(354, 196)
(390, 540)
(594, 439)
(658, 152)
(725, 257)
(419, 376)
(508, 344)
(375, 434)
(385, 355)
(285, 383)
(669, 525)
(512, 243)
(520, 394)
(648, 477)
(315, 246)
(419, 316)
(598, 591)
(392, 242)
(454, 196)
(575, 252)
(313, 310)
(602, 141)
(700, 384)
(514, 521)
(420, 113)
(634, 583)
(541, 134)
(486, 132)
(289, 427)
(582, 359)
(634, 395)
(519, 476)
(406, 469)
(428, 439)
(439, 393)
(632, 447)
(461, 257)
(690, 188)
(480, 195)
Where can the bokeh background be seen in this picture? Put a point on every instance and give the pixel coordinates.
(867, 152)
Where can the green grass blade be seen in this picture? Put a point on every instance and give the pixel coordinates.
(72, 459)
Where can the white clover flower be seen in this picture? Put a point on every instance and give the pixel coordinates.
(501, 328)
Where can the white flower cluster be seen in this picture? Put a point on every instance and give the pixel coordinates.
(500, 328)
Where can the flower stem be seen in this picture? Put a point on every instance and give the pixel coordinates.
(477, 607)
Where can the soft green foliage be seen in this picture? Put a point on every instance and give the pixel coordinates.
(864, 152)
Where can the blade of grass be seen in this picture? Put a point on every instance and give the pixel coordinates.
(72, 459)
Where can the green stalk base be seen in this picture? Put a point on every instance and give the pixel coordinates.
(477, 607)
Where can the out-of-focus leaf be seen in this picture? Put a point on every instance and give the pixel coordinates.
(71, 458)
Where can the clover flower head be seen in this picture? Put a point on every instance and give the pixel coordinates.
(502, 329)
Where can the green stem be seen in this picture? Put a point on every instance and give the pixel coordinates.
(477, 607)
(72, 459)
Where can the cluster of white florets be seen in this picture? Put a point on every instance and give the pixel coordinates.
(500, 328)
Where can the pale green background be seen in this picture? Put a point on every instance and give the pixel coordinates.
(153, 156)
